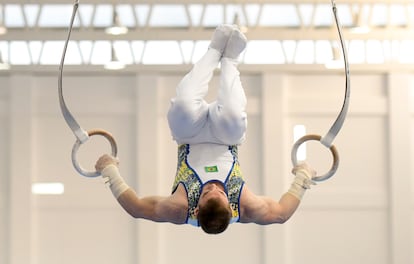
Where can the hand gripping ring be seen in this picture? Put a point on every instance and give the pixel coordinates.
(334, 152)
(77, 144)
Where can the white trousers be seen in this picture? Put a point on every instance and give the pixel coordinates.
(192, 120)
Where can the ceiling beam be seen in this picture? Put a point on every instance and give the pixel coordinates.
(213, 2)
(257, 33)
(244, 68)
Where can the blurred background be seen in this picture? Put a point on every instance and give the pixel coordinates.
(122, 65)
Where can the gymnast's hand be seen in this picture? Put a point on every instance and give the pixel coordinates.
(304, 167)
(304, 175)
(110, 174)
(104, 161)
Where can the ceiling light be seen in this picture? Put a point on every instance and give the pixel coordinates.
(3, 30)
(298, 132)
(3, 65)
(336, 62)
(359, 27)
(114, 63)
(116, 28)
(237, 22)
(360, 30)
(48, 188)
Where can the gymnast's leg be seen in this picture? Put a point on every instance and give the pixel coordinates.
(188, 112)
(229, 119)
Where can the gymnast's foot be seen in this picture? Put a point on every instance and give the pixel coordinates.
(221, 37)
(235, 45)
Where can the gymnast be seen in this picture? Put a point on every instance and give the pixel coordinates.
(208, 190)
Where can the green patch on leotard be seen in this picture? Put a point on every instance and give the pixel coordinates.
(211, 169)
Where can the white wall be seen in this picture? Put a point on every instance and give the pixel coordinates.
(4, 161)
(364, 214)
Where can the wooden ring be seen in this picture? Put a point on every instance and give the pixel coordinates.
(334, 152)
(114, 148)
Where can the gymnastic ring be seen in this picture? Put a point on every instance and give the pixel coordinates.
(114, 148)
(332, 148)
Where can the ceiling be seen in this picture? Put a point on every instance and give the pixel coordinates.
(165, 32)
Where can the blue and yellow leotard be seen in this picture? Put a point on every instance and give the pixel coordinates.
(199, 164)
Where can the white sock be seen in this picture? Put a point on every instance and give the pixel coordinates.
(220, 37)
(235, 45)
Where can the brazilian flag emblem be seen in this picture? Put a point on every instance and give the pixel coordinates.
(211, 169)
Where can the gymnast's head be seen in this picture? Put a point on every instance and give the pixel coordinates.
(213, 210)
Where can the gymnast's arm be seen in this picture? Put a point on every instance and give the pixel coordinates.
(171, 208)
(154, 208)
(265, 210)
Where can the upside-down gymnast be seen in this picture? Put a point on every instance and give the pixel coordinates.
(208, 189)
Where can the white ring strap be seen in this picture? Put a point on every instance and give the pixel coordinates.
(81, 135)
(337, 125)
